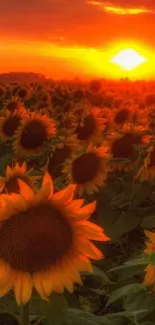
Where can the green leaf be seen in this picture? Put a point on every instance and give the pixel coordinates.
(78, 317)
(148, 222)
(124, 291)
(8, 318)
(99, 273)
(139, 300)
(8, 302)
(54, 310)
(141, 261)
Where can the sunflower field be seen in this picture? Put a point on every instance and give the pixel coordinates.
(77, 203)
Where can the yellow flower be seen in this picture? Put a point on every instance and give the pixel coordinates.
(90, 129)
(9, 183)
(13, 104)
(88, 170)
(31, 136)
(150, 269)
(122, 116)
(45, 241)
(62, 151)
(10, 123)
(123, 147)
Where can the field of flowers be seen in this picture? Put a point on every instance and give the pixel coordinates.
(77, 203)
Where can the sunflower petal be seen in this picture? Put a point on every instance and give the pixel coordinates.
(23, 288)
(37, 282)
(84, 246)
(25, 190)
(64, 196)
(47, 181)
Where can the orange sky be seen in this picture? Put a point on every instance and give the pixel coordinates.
(65, 38)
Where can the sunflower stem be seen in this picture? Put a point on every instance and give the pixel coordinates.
(25, 314)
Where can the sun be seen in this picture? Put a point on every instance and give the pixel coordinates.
(128, 59)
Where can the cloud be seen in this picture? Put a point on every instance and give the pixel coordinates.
(124, 7)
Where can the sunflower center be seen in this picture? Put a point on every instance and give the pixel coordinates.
(122, 116)
(11, 124)
(22, 92)
(152, 159)
(56, 161)
(85, 168)
(36, 239)
(88, 129)
(33, 135)
(12, 106)
(124, 147)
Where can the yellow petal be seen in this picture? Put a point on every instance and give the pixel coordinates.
(75, 204)
(47, 181)
(89, 208)
(91, 231)
(85, 247)
(23, 287)
(25, 190)
(37, 282)
(7, 286)
(83, 264)
(56, 281)
(47, 283)
(64, 196)
(150, 235)
(23, 167)
(5, 273)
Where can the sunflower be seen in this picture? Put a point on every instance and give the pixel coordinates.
(122, 116)
(90, 129)
(123, 146)
(9, 183)
(23, 92)
(88, 170)
(62, 151)
(13, 104)
(150, 269)
(31, 136)
(45, 241)
(10, 123)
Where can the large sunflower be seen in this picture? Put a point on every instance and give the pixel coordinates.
(10, 123)
(9, 183)
(31, 136)
(150, 269)
(88, 170)
(90, 129)
(45, 241)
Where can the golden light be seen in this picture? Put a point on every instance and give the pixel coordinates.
(128, 59)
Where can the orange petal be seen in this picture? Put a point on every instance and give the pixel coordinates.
(47, 182)
(85, 247)
(25, 190)
(64, 196)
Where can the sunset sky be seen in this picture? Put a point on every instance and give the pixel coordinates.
(67, 38)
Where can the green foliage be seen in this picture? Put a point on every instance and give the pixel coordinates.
(54, 311)
(124, 291)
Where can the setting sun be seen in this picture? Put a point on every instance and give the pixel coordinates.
(128, 59)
